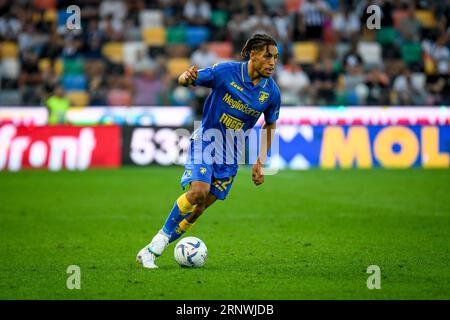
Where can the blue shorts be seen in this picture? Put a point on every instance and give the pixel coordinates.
(219, 176)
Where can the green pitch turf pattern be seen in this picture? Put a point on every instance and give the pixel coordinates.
(301, 235)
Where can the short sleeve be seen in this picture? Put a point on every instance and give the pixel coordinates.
(206, 78)
(272, 113)
(212, 77)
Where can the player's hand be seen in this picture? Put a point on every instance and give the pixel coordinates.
(258, 173)
(189, 76)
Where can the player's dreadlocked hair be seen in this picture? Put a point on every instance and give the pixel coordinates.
(257, 42)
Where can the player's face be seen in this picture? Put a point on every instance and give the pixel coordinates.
(264, 60)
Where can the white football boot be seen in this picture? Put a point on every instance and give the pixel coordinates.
(146, 258)
(156, 247)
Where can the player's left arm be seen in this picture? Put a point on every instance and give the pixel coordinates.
(267, 134)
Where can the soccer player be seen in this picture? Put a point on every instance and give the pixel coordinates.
(241, 92)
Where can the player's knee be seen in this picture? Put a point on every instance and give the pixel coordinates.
(198, 196)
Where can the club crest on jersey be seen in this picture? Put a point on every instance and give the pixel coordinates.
(263, 96)
(202, 170)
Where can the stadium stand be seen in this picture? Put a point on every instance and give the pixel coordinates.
(123, 39)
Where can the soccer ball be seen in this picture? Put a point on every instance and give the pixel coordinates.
(191, 252)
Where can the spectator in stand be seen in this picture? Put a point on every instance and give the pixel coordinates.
(377, 82)
(294, 84)
(353, 78)
(282, 24)
(410, 26)
(57, 106)
(72, 46)
(147, 88)
(50, 81)
(352, 58)
(143, 62)
(93, 40)
(439, 87)
(10, 26)
(259, 22)
(406, 91)
(117, 9)
(325, 83)
(314, 14)
(197, 12)
(443, 16)
(54, 47)
(237, 30)
(203, 57)
(439, 52)
(97, 92)
(346, 25)
(30, 79)
(112, 28)
(132, 31)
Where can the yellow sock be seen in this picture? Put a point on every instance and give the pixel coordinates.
(184, 205)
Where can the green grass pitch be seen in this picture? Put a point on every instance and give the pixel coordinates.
(301, 235)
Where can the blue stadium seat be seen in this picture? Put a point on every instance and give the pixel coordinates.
(73, 82)
(196, 35)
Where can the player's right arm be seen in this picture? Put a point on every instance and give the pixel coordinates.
(188, 77)
(210, 77)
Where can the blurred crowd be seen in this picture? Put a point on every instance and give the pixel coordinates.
(127, 53)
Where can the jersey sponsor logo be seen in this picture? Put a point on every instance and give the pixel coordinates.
(263, 96)
(239, 105)
(233, 84)
(231, 122)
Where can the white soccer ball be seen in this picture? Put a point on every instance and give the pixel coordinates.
(191, 252)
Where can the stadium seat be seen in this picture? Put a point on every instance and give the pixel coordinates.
(370, 52)
(78, 98)
(341, 49)
(151, 19)
(176, 66)
(113, 51)
(306, 52)
(426, 18)
(10, 68)
(44, 4)
(219, 18)
(334, 5)
(292, 6)
(418, 79)
(196, 35)
(222, 49)
(10, 97)
(411, 53)
(130, 51)
(74, 82)
(44, 64)
(8, 49)
(398, 15)
(428, 64)
(386, 35)
(154, 36)
(50, 15)
(59, 66)
(176, 35)
(73, 66)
